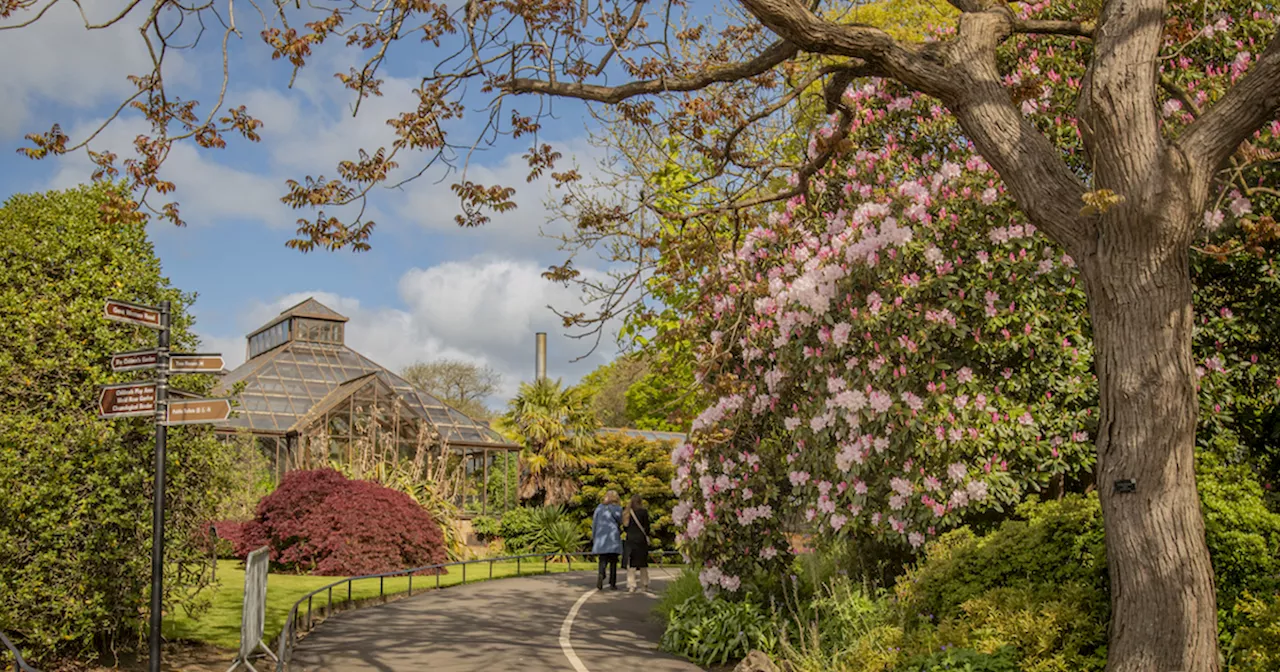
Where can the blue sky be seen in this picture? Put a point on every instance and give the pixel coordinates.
(427, 289)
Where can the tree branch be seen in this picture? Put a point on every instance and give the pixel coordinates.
(774, 55)
(1040, 181)
(1117, 105)
(1210, 140)
(797, 24)
(1066, 28)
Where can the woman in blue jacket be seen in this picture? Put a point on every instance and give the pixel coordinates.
(606, 538)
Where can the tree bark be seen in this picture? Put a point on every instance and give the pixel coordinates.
(1163, 606)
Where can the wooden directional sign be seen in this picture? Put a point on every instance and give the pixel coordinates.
(132, 313)
(127, 400)
(133, 361)
(196, 363)
(197, 411)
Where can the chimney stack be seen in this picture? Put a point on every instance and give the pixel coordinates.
(541, 355)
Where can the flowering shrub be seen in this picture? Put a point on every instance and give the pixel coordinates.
(899, 348)
(230, 537)
(323, 523)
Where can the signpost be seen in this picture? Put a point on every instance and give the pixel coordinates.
(132, 313)
(135, 361)
(127, 400)
(196, 364)
(197, 411)
(150, 398)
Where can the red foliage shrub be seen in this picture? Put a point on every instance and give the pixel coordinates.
(230, 535)
(323, 523)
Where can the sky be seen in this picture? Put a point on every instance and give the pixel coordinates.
(426, 290)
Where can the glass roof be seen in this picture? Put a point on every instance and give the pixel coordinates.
(284, 385)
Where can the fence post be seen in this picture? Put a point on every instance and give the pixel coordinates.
(309, 612)
(381, 583)
(464, 572)
(410, 585)
(517, 565)
(491, 569)
(328, 611)
(349, 591)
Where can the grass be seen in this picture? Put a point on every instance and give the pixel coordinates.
(220, 624)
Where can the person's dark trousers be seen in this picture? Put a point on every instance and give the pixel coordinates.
(610, 559)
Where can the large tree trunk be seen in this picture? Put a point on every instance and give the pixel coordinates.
(1163, 611)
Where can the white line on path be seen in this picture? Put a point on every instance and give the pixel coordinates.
(566, 629)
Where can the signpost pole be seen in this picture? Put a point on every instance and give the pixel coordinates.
(157, 518)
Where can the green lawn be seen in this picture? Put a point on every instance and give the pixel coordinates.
(220, 624)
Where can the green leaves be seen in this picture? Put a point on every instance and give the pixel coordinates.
(75, 520)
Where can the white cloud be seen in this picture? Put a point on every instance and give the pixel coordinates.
(433, 205)
(58, 61)
(484, 310)
(207, 190)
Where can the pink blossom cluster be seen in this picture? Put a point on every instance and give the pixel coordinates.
(902, 347)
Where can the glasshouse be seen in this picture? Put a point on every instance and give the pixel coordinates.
(311, 401)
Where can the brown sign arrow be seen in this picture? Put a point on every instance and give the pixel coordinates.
(196, 363)
(133, 361)
(127, 400)
(196, 411)
(132, 313)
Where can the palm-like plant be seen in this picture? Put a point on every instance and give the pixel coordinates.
(556, 426)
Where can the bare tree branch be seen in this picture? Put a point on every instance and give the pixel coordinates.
(1255, 99)
(776, 53)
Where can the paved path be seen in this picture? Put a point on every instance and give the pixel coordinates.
(509, 624)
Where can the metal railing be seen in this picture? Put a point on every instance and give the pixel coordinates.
(19, 665)
(293, 625)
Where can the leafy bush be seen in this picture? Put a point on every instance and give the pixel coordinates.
(519, 530)
(1037, 584)
(841, 628)
(322, 523)
(1242, 534)
(563, 537)
(75, 514)
(966, 660)
(710, 632)
(486, 528)
(684, 586)
(1257, 646)
(544, 529)
(1055, 545)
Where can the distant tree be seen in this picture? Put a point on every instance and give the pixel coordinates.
(75, 518)
(608, 385)
(557, 428)
(460, 384)
(632, 466)
(663, 402)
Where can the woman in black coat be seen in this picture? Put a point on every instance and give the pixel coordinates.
(635, 522)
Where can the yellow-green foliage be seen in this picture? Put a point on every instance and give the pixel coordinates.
(903, 19)
(841, 629)
(1257, 647)
(1061, 634)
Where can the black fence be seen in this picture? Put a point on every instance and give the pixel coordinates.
(295, 625)
(11, 653)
